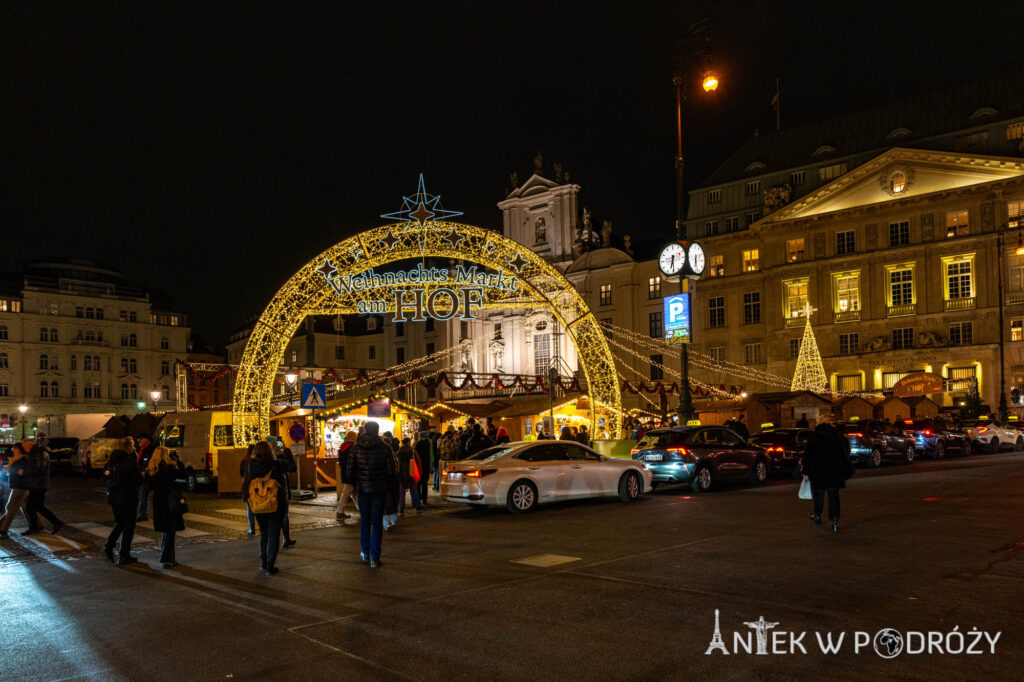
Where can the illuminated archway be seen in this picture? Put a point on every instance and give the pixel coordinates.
(514, 277)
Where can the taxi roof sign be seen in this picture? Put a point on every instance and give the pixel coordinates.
(1013, 418)
(767, 425)
(693, 422)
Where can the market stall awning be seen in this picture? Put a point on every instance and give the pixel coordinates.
(336, 407)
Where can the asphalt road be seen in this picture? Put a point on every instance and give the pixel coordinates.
(931, 547)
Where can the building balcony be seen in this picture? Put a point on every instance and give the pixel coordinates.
(960, 304)
(1015, 297)
(847, 316)
(902, 310)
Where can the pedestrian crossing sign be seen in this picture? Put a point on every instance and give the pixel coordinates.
(314, 396)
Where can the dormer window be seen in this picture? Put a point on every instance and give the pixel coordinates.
(898, 132)
(756, 165)
(823, 149)
(898, 182)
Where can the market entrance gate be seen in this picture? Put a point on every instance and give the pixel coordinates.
(487, 271)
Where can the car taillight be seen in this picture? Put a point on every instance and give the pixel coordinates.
(982, 429)
(479, 473)
(857, 435)
(678, 451)
(209, 461)
(634, 451)
(927, 432)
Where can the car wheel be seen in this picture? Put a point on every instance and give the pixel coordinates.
(522, 497)
(909, 455)
(629, 486)
(760, 472)
(191, 482)
(994, 445)
(702, 480)
(967, 448)
(875, 460)
(940, 450)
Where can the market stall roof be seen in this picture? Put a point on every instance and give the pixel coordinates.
(468, 409)
(335, 407)
(530, 405)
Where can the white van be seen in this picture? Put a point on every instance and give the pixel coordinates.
(197, 437)
(92, 454)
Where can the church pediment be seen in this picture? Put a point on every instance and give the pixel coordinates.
(897, 174)
(535, 185)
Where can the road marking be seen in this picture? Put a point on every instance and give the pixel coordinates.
(54, 543)
(295, 518)
(546, 560)
(222, 523)
(187, 533)
(101, 531)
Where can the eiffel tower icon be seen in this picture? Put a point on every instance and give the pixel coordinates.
(716, 640)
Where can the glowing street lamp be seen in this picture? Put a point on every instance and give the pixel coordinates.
(710, 82)
(23, 408)
(290, 378)
(155, 395)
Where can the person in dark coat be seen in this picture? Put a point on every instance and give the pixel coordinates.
(478, 440)
(161, 472)
(123, 480)
(372, 464)
(250, 518)
(37, 479)
(826, 462)
(18, 482)
(583, 436)
(425, 453)
(741, 428)
(263, 464)
(802, 422)
(406, 455)
(146, 448)
(287, 464)
(464, 438)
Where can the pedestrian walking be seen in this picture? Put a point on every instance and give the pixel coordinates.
(243, 466)
(346, 485)
(478, 440)
(146, 448)
(19, 487)
(583, 436)
(286, 462)
(425, 452)
(168, 503)
(826, 462)
(265, 488)
(37, 479)
(409, 469)
(372, 465)
(123, 480)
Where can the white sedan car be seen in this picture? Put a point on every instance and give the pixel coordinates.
(991, 436)
(520, 476)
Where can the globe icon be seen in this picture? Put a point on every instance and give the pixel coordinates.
(888, 643)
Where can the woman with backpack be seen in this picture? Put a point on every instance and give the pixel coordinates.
(168, 504)
(264, 489)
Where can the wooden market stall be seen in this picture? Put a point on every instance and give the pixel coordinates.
(785, 408)
(854, 407)
(893, 409)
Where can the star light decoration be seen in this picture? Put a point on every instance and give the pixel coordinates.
(419, 211)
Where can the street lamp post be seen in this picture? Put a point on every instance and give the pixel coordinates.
(23, 408)
(155, 395)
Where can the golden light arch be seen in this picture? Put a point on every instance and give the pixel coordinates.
(309, 292)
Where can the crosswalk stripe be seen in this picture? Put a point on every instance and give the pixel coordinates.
(187, 533)
(54, 543)
(222, 523)
(296, 518)
(101, 531)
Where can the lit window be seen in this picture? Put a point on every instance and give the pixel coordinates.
(899, 233)
(849, 344)
(849, 383)
(751, 261)
(898, 182)
(714, 196)
(959, 278)
(752, 354)
(796, 297)
(751, 307)
(901, 286)
(961, 334)
(957, 224)
(715, 267)
(847, 291)
(795, 249)
(606, 294)
(654, 287)
(1017, 329)
(1015, 211)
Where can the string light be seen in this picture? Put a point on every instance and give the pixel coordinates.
(309, 293)
(809, 374)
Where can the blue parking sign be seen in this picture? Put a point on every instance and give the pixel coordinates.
(314, 396)
(677, 318)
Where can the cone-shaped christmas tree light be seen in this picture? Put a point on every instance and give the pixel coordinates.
(809, 374)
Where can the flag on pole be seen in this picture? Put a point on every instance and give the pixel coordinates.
(775, 108)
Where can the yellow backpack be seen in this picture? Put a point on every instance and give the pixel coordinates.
(263, 494)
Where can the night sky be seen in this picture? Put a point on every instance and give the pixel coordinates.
(210, 149)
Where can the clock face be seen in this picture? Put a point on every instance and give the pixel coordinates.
(696, 257)
(672, 259)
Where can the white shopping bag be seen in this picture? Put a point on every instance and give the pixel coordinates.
(805, 489)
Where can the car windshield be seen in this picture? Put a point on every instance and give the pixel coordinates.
(662, 439)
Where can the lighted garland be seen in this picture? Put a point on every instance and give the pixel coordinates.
(308, 292)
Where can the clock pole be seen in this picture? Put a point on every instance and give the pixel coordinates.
(685, 408)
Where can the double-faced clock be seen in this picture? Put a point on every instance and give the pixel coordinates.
(681, 259)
